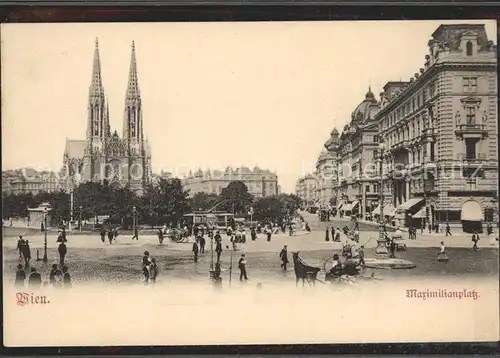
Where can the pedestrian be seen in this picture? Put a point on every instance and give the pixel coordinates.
(111, 235)
(66, 278)
(392, 247)
(160, 236)
(361, 255)
(20, 276)
(268, 233)
(448, 230)
(333, 233)
(57, 277)
(327, 234)
(202, 244)
(26, 253)
(430, 228)
(195, 251)
(153, 271)
(63, 250)
(284, 257)
(218, 247)
(475, 239)
(52, 274)
(63, 234)
(442, 257)
(242, 265)
(337, 234)
(136, 233)
(253, 234)
(115, 233)
(146, 260)
(35, 279)
(103, 235)
(20, 244)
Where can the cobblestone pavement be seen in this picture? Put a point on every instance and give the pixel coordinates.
(89, 259)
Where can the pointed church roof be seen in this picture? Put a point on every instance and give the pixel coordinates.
(96, 87)
(133, 84)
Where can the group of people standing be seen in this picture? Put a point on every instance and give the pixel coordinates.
(111, 233)
(23, 246)
(59, 277)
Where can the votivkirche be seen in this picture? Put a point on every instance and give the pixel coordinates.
(103, 155)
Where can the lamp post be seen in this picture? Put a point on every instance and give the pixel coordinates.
(381, 248)
(71, 201)
(134, 222)
(80, 219)
(45, 259)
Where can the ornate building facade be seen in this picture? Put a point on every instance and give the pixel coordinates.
(103, 155)
(260, 182)
(355, 182)
(306, 190)
(325, 171)
(440, 131)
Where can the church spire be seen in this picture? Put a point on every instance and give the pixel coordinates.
(96, 87)
(133, 85)
(132, 125)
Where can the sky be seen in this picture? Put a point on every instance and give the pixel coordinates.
(213, 94)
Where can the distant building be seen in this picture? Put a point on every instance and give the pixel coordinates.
(260, 182)
(155, 178)
(325, 170)
(306, 190)
(24, 181)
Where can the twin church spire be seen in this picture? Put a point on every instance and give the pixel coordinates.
(98, 125)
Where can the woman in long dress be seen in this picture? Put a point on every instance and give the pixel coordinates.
(442, 257)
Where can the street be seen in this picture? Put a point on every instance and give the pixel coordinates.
(89, 260)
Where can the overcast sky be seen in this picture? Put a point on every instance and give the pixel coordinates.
(214, 94)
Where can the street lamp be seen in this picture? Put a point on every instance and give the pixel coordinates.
(134, 223)
(80, 219)
(381, 248)
(45, 259)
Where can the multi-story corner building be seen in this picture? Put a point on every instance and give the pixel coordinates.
(103, 154)
(356, 183)
(324, 173)
(306, 190)
(260, 182)
(440, 132)
(24, 181)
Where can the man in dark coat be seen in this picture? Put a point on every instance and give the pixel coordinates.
(218, 248)
(242, 265)
(136, 233)
(35, 279)
(202, 243)
(103, 235)
(284, 257)
(63, 250)
(63, 234)
(448, 230)
(269, 234)
(20, 244)
(327, 234)
(253, 233)
(146, 260)
(392, 248)
(195, 251)
(66, 278)
(20, 276)
(26, 252)
(111, 235)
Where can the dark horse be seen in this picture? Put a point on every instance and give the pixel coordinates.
(304, 272)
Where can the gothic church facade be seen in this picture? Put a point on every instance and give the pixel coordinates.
(104, 155)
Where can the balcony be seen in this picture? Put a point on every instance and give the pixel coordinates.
(471, 162)
(471, 130)
(401, 145)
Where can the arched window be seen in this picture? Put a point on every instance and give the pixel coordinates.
(468, 48)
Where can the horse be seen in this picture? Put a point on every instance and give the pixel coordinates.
(304, 272)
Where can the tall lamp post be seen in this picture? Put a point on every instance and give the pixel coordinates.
(381, 248)
(134, 221)
(45, 259)
(80, 219)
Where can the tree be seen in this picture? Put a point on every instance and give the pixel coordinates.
(203, 201)
(236, 198)
(268, 208)
(167, 202)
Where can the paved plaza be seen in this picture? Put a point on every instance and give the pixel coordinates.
(89, 260)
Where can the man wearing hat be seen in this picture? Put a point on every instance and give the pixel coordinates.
(20, 244)
(242, 265)
(361, 253)
(35, 280)
(20, 276)
(284, 257)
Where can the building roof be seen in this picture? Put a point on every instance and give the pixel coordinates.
(75, 148)
(363, 110)
(451, 34)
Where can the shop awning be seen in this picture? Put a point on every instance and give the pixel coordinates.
(347, 207)
(471, 211)
(388, 210)
(409, 204)
(420, 214)
(354, 204)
